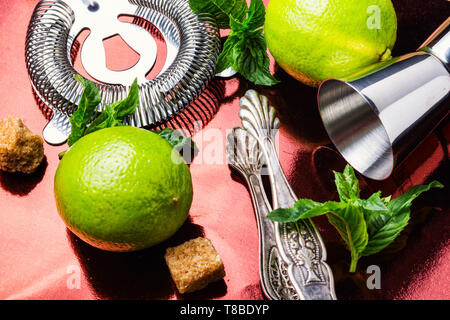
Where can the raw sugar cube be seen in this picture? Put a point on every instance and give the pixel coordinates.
(194, 264)
(20, 149)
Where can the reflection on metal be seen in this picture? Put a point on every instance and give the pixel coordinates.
(292, 255)
(192, 41)
(377, 117)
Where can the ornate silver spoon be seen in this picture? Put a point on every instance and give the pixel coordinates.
(245, 156)
(300, 244)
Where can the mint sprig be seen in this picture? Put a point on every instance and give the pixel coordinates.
(221, 10)
(84, 120)
(367, 226)
(89, 101)
(245, 49)
(177, 140)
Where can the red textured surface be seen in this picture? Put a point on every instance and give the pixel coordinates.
(38, 255)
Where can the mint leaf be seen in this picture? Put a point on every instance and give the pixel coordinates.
(222, 10)
(375, 211)
(89, 101)
(113, 115)
(184, 145)
(251, 59)
(347, 184)
(127, 106)
(105, 120)
(299, 211)
(225, 59)
(303, 209)
(367, 226)
(245, 48)
(349, 222)
(256, 15)
(174, 137)
(403, 202)
(374, 204)
(250, 52)
(387, 225)
(386, 233)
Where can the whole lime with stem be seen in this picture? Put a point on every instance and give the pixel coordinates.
(314, 40)
(123, 189)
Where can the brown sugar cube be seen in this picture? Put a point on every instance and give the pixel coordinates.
(194, 264)
(20, 149)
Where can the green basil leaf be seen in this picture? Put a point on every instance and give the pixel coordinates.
(89, 101)
(222, 10)
(347, 184)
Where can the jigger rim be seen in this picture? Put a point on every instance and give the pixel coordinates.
(373, 158)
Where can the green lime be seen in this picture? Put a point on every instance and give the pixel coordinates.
(123, 189)
(313, 40)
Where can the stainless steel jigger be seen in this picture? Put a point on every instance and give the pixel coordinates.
(378, 116)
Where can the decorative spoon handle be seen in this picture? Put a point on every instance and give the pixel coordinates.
(244, 155)
(300, 244)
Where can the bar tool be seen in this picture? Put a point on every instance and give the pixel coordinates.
(299, 244)
(192, 41)
(377, 117)
(246, 157)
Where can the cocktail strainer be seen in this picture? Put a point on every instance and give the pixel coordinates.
(192, 42)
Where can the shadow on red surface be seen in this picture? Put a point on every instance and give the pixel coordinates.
(137, 275)
(144, 274)
(21, 184)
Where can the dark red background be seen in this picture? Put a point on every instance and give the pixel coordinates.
(38, 254)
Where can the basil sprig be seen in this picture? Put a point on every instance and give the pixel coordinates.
(245, 48)
(367, 226)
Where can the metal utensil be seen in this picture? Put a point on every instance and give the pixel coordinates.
(377, 117)
(192, 41)
(300, 244)
(246, 157)
(438, 44)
